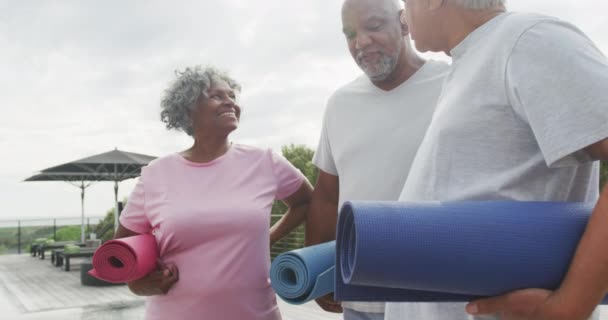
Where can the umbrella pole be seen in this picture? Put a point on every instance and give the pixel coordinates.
(116, 206)
(82, 211)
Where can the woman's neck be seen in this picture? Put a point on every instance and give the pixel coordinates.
(208, 149)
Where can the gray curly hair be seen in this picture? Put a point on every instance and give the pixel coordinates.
(180, 99)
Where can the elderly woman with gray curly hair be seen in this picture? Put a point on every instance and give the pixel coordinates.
(209, 209)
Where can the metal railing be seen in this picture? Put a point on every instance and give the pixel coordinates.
(294, 240)
(16, 235)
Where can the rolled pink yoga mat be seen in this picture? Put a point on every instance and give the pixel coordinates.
(125, 259)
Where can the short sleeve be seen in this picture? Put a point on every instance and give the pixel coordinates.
(557, 80)
(323, 158)
(133, 216)
(288, 177)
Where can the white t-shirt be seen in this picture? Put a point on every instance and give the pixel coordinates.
(525, 95)
(370, 137)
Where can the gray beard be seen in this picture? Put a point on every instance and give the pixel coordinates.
(379, 71)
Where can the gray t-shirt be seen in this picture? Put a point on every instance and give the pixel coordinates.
(525, 95)
(370, 137)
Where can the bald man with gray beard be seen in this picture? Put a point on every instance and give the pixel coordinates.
(372, 126)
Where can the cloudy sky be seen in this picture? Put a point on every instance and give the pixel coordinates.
(83, 77)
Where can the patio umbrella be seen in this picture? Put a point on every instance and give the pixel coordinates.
(115, 165)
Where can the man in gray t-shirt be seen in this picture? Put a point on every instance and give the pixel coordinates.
(372, 126)
(523, 115)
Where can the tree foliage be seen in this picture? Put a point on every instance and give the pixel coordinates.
(68, 233)
(301, 158)
(107, 225)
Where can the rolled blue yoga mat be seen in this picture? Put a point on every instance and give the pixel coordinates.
(302, 275)
(454, 251)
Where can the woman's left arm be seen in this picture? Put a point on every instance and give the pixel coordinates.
(297, 208)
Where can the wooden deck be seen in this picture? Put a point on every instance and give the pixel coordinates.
(34, 289)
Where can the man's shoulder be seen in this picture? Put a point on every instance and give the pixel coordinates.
(520, 22)
(502, 35)
(544, 34)
(527, 16)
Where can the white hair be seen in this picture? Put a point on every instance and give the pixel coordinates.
(179, 100)
(480, 4)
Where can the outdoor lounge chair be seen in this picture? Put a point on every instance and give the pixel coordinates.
(56, 245)
(34, 249)
(63, 259)
(35, 245)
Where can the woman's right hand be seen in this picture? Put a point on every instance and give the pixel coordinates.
(157, 282)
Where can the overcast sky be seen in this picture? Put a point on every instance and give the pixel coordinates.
(83, 77)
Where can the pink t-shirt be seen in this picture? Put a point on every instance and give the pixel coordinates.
(212, 221)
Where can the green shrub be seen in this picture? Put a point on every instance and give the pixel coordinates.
(71, 248)
(108, 220)
(68, 233)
